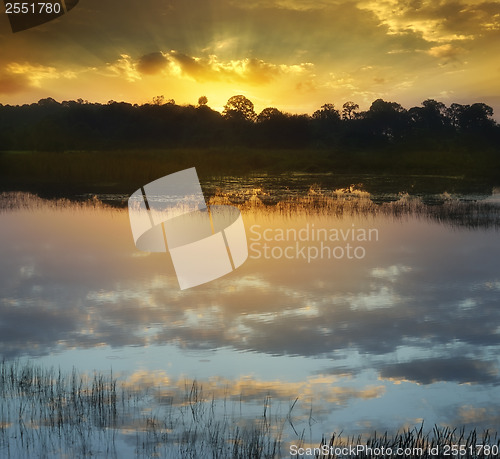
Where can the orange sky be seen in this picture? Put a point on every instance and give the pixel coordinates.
(292, 54)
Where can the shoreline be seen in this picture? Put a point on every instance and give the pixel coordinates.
(76, 172)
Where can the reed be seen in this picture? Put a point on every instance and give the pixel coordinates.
(48, 413)
(439, 443)
(339, 203)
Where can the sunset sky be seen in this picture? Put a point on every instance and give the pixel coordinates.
(291, 54)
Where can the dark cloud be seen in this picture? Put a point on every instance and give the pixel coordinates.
(261, 72)
(192, 67)
(152, 63)
(457, 369)
(460, 17)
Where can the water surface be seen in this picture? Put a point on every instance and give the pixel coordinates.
(401, 328)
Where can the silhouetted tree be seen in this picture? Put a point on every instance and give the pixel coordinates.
(327, 113)
(275, 129)
(239, 108)
(159, 100)
(349, 110)
(470, 117)
(477, 116)
(432, 116)
(69, 125)
(268, 114)
(387, 120)
(325, 123)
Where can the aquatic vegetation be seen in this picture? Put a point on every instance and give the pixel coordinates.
(455, 211)
(48, 413)
(354, 202)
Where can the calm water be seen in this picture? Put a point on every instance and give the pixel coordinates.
(373, 316)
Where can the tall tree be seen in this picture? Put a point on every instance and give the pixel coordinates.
(349, 110)
(239, 107)
(327, 112)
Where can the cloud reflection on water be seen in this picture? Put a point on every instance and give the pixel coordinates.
(422, 307)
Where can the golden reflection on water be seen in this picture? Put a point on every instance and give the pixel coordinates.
(84, 252)
(348, 202)
(332, 389)
(343, 202)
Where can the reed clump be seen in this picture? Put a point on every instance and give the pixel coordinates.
(440, 443)
(48, 413)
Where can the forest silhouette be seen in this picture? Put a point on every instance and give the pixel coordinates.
(76, 146)
(78, 125)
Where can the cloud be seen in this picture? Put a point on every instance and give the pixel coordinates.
(124, 67)
(457, 369)
(478, 415)
(205, 68)
(152, 63)
(437, 21)
(447, 51)
(35, 74)
(316, 389)
(196, 68)
(250, 70)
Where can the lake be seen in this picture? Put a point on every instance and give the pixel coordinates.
(354, 313)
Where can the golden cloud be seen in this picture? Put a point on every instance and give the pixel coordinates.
(324, 388)
(436, 21)
(470, 414)
(202, 69)
(250, 70)
(35, 74)
(125, 67)
(447, 51)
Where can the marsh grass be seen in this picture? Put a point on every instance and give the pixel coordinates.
(339, 203)
(352, 202)
(48, 413)
(19, 201)
(439, 443)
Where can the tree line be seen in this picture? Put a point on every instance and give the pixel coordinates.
(79, 125)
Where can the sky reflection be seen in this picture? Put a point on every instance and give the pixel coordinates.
(418, 312)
